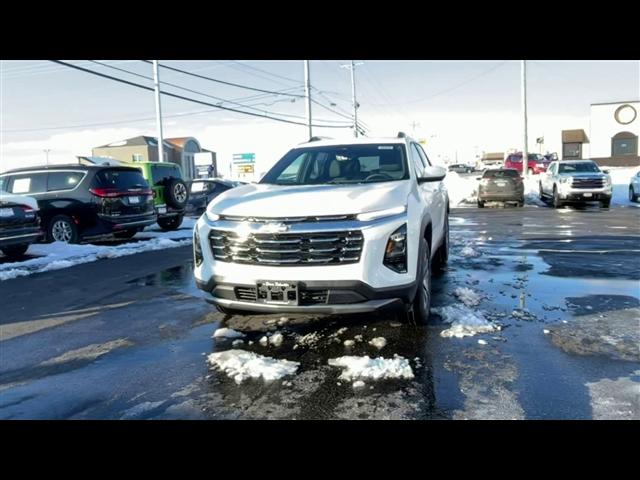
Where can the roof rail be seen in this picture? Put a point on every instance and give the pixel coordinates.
(317, 139)
(402, 135)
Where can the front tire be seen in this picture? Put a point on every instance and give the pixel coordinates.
(422, 302)
(442, 255)
(605, 203)
(62, 228)
(632, 194)
(15, 251)
(480, 204)
(556, 198)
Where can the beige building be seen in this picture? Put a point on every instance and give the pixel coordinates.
(145, 149)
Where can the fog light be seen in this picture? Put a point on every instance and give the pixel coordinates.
(395, 254)
(197, 248)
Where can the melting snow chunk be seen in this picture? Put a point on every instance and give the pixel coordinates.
(378, 342)
(464, 321)
(349, 343)
(482, 342)
(241, 365)
(264, 341)
(358, 368)
(469, 252)
(276, 339)
(227, 333)
(469, 297)
(236, 343)
(358, 384)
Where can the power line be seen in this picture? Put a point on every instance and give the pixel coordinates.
(222, 100)
(246, 87)
(181, 97)
(483, 73)
(265, 71)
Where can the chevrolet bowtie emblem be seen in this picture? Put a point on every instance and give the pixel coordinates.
(274, 228)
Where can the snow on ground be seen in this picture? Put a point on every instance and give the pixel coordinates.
(378, 342)
(461, 189)
(242, 365)
(464, 321)
(468, 296)
(57, 255)
(362, 368)
(227, 333)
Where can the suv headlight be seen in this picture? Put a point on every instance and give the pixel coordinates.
(607, 181)
(395, 253)
(365, 217)
(197, 248)
(565, 179)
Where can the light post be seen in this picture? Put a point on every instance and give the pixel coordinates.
(46, 151)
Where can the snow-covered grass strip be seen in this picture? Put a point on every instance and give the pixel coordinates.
(241, 365)
(57, 255)
(359, 368)
(464, 321)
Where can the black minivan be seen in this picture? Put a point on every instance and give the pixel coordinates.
(78, 202)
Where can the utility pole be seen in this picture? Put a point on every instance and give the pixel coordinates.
(46, 151)
(352, 67)
(156, 84)
(525, 153)
(307, 94)
(414, 124)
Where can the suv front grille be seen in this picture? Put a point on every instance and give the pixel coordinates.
(587, 183)
(327, 248)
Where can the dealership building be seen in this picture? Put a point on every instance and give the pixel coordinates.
(612, 137)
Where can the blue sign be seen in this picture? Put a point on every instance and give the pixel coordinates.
(244, 158)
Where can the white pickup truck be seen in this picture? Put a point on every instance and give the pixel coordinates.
(334, 227)
(575, 181)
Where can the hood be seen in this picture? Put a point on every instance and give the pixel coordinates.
(263, 200)
(21, 199)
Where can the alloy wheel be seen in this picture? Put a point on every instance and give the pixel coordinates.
(61, 231)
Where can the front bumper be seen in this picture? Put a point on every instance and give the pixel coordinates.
(335, 297)
(585, 195)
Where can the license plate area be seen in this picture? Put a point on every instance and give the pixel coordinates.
(6, 212)
(587, 195)
(277, 293)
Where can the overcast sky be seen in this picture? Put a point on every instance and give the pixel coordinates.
(460, 107)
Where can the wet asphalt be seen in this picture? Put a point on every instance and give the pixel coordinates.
(128, 337)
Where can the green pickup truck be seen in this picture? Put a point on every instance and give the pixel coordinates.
(170, 191)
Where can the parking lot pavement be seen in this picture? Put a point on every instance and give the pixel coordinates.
(557, 293)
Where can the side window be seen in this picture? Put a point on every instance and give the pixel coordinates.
(423, 155)
(63, 180)
(28, 183)
(418, 163)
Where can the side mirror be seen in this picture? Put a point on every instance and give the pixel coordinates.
(478, 178)
(432, 174)
(605, 171)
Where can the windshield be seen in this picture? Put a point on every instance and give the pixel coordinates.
(578, 167)
(340, 164)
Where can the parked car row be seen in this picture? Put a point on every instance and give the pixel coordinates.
(536, 163)
(461, 168)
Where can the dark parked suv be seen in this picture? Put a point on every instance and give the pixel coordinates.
(500, 185)
(79, 201)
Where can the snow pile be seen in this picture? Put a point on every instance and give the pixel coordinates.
(464, 321)
(358, 368)
(461, 189)
(469, 297)
(358, 384)
(620, 179)
(227, 333)
(57, 255)
(242, 365)
(378, 342)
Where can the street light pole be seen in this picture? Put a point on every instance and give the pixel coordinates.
(156, 84)
(307, 94)
(352, 67)
(525, 153)
(46, 151)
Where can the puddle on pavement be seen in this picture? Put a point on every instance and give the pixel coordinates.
(179, 278)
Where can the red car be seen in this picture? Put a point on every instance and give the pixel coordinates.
(536, 164)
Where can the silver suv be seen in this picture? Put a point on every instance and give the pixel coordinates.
(575, 181)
